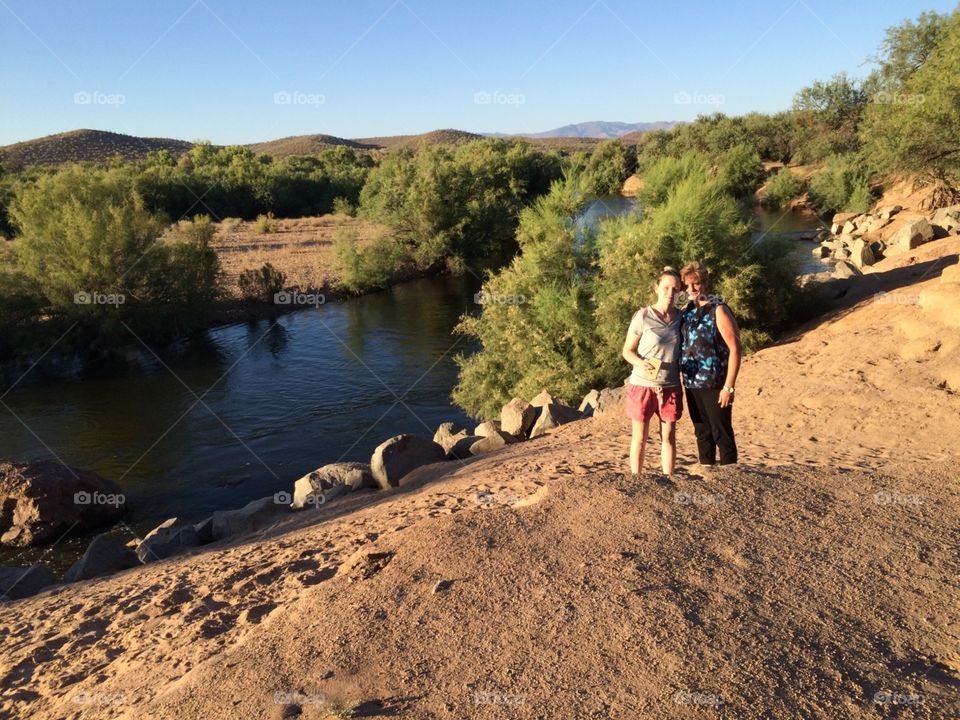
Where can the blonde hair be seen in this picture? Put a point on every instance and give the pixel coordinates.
(695, 268)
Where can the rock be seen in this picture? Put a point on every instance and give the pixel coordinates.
(588, 406)
(397, 456)
(842, 218)
(442, 585)
(835, 228)
(861, 255)
(105, 554)
(545, 398)
(252, 517)
(18, 582)
(888, 212)
(551, 416)
(819, 277)
(350, 475)
(488, 428)
(947, 219)
(841, 253)
(845, 241)
(41, 501)
(517, 417)
(462, 450)
(845, 270)
(167, 539)
(448, 434)
(204, 530)
(877, 247)
(822, 251)
(848, 228)
(912, 234)
(611, 400)
(491, 443)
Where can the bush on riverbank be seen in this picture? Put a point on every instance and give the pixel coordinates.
(91, 253)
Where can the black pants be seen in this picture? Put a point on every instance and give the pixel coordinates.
(713, 426)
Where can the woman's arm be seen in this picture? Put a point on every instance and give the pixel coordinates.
(727, 326)
(630, 350)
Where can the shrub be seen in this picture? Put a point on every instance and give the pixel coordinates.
(342, 206)
(784, 187)
(264, 224)
(740, 171)
(261, 285)
(369, 268)
(843, 183)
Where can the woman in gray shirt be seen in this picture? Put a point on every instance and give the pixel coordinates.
(652, 347)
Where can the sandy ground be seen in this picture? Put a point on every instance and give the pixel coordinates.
(817, 579)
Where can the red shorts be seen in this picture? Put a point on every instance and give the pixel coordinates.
(643, 403)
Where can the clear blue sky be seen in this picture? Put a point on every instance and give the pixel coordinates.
(244, 72)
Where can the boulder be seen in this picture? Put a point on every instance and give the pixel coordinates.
(860, 254)
(912, 234)
(841, 218)
(841, 253)
(877, 247)
(545, 398)
(488, 428)
(350, 475)
(844, 269)
(448, 434)
(106, 554)
(397, 456)
(822, 251)
(517, 417)
(611, 400)
(946, 220)
(848, 228)
(491, 443)
(888, 211)
(167, 539)
(254, 516)
(40, 501)
(462, 449)
(835, 228)
(551, 416)
(18, 582)
(204, 530)
(588, 406)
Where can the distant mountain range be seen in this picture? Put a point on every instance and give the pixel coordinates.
(101, 145)
(597, 129)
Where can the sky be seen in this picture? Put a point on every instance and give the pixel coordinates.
(240, 72)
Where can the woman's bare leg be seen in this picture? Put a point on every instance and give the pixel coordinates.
(668, 447)
(638, 445)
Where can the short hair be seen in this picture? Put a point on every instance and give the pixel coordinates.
(695, 268)
(672, 272)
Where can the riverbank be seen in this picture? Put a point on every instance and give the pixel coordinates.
(817, 578)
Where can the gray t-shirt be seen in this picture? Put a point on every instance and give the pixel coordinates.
(660, 340)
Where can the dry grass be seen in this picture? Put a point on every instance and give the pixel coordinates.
(302, 248)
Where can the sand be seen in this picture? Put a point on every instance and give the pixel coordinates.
(816, 579)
